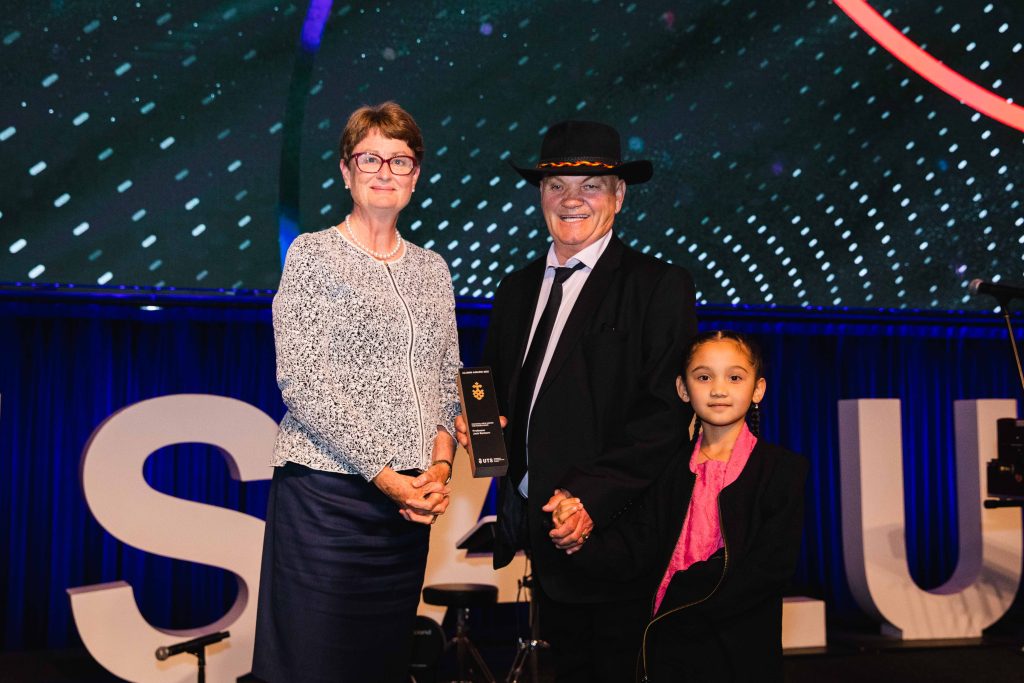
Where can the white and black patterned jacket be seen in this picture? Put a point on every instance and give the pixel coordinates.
(367, 356)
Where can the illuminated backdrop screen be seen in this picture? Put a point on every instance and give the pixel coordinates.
(797, 161)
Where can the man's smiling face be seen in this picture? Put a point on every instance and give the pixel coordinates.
(579, 210)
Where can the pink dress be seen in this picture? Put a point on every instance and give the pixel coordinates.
(701, 536)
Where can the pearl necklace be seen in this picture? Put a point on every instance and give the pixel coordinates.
(375, 254)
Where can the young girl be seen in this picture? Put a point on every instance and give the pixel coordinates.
(718, 534)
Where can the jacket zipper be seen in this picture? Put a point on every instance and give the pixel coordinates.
(412, 373)
(725, 568)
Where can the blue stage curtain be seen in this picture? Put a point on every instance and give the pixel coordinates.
(67, 364)
(65, 369)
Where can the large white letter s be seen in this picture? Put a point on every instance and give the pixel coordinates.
(108, 619)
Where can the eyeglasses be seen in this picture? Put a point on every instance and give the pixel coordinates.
(368, 162)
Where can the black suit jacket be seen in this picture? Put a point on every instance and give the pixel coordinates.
(720, 620)
(606, 419)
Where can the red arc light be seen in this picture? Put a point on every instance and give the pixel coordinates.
(938, 74)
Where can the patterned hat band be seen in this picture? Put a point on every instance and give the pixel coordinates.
(574, 164)
(584, 148)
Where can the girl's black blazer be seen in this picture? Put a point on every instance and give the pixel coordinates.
(720, 620)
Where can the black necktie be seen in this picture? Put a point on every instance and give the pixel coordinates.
(531, 369)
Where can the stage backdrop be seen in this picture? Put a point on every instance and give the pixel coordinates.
(799, 160)
(66, 363)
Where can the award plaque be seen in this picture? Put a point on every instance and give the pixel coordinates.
(480, 410)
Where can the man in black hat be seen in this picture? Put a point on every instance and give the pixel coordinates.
(586, 343)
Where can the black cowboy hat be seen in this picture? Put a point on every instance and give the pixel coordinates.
(584, 148)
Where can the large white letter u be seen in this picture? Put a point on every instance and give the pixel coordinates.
(988, 572)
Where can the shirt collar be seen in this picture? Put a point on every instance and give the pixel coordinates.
(741, 451)
(588, 256)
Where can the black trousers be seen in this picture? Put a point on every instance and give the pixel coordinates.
(593, 642)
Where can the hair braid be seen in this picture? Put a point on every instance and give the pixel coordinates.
(754, 419)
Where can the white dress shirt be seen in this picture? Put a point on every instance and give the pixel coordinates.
(571, 289)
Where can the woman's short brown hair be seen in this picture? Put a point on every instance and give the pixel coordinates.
(390, 119)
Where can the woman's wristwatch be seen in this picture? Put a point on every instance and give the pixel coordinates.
(446, 462)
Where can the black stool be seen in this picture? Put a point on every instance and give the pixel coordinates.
(462, 596)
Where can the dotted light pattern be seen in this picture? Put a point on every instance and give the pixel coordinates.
(141, 141)
(796, 161)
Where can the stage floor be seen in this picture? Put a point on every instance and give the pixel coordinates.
(853, 660)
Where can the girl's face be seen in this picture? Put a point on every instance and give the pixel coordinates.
(721, 383)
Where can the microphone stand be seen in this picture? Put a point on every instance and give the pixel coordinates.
(528, 649)
(990, 503)
(197, 647)
(1004, 304)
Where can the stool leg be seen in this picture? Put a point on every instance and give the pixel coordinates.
(464, 650)
(488, 677)
(462, 617)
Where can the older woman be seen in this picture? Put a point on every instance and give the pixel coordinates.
(367, 354)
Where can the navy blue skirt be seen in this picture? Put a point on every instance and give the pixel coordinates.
(340, 582)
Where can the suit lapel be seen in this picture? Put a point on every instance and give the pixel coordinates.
(523, 321)
(591, 296)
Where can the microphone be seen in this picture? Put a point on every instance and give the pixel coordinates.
(1002, 292)
(166, 651)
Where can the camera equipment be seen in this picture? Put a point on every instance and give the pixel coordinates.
(1005, 474)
